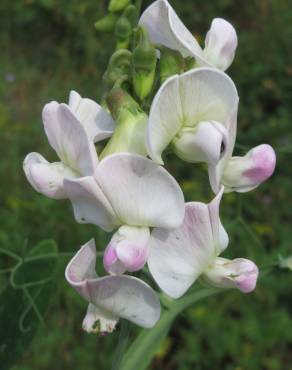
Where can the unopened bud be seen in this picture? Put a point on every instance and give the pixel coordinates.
(118, 67)
(125, 25)
(171, 63)
(117, 5)
(239, 273)
(107, 23)
(144, 65)
(123, 29)
(132, 14)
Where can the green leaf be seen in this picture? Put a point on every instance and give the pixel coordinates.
(22, 309)
(37, 267)
(143, 349)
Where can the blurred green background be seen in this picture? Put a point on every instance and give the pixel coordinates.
(49, 47)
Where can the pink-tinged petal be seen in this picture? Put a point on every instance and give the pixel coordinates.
(46, 178)
(111, 262)
(140, 192)
(178, 257)
(81, 268)
(243, 174)
(239, 273)
(220, 44)
(204, 143)
(128, 250)
(115, 296)
(165, 28)
(97, 122)
(89, 203)
(69, 139)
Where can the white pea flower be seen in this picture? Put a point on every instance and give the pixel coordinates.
(165, 28)
(179, 257)
(241, 174)
(193, 112)
(110, 297)
(132, 193)
(71, 130)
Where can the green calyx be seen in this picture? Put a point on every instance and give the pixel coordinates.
(118, 99)
(144, 64)
(129, 134)
(171, 63)
(119, 67)
(131, 121)
(190, 63)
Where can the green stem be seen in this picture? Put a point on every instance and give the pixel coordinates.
(143, 349)
(138, 5)
(122, 344)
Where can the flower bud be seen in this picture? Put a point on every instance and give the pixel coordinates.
(123, 29)
(125, 25)
(119, 66)
(246, 173)
(144, 64)
(171, 63)
(117, 5)
(107, 23)
(239, 273)
(128, 250)
(131, 13)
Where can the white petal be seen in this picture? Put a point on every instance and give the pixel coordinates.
(165, 28)
(207, 95)
(184, 102)
(98, 321)
(243, 174)
(165, 118)
(46, 178)
(239, 273)
(216, 171)
(140, 192)
(120, 296)
(69, 139)
(220, 236)
(220, 44)
(89, 203)
(128, 250)
(204, 143)
(98, 123)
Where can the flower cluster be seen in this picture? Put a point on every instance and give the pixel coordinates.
(166, 92)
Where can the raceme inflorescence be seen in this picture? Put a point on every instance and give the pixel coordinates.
(163, 93)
